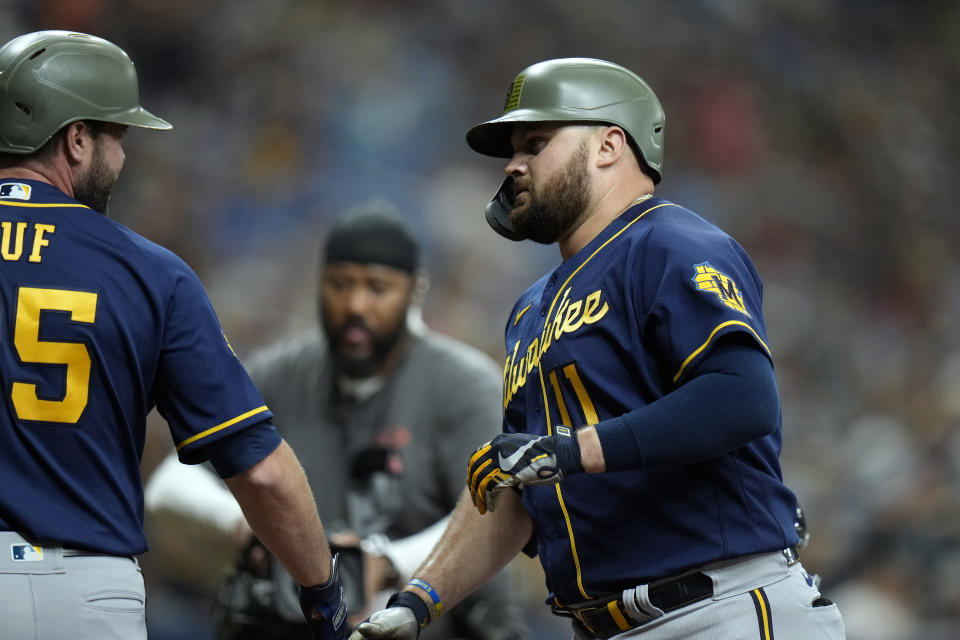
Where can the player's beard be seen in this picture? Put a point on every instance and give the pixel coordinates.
(382, 345)
(555, 207)
(93, 188)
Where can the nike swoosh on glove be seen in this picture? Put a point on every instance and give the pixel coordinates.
(518, 459)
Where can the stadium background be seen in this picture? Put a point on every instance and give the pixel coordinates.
(822, 134)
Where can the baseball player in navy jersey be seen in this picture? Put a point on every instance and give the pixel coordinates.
(97, 326)
(641, 432)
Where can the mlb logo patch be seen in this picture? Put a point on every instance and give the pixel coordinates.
(15, 191)
(26, 553)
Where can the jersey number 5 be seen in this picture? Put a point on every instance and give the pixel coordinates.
(82, 307)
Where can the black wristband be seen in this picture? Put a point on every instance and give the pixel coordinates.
(568, 453)
(413, 602)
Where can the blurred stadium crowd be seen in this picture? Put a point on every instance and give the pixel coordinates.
(818, 133)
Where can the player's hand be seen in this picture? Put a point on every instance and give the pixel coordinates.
(405, 615)
(394, 623)
(325, 607)
(518, 459)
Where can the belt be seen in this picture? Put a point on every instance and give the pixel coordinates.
(606, 617)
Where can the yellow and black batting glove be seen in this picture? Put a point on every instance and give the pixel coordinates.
(518, 459)
(484, 478)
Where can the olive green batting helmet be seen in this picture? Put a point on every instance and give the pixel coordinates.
(578, 90)
(575, 90)
(49, 79)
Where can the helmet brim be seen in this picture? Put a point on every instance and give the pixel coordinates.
(140, 117)
(492, 138)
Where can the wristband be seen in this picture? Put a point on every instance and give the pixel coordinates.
(421, 613)
(568, 451)
(437, 605)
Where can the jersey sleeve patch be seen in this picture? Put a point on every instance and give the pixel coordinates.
(709, 280)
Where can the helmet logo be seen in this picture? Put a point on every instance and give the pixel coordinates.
(513, 94)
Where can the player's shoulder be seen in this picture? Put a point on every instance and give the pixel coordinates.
(663, 230)
(667, 222)
(48, 203)
(157, 266)
(155, 254)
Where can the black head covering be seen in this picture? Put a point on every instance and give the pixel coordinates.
(373, 233)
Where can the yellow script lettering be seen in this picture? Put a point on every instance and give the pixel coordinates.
(508, 388)
(592, 301)
(569, 318)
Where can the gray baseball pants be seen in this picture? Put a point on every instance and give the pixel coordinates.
(760, 597)
(51, 593)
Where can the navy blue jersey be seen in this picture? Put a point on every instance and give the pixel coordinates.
(97, 326)
(614, 328)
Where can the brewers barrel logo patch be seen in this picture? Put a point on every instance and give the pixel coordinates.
(710, 280)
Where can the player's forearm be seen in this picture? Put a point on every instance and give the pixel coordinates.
(279, 506)
(474, 548)
(732, 401)
(591, 450)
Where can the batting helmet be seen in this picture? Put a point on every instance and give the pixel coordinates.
(573, 90)
(49, 79)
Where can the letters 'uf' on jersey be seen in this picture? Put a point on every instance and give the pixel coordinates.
(97, 326)
(614, 328)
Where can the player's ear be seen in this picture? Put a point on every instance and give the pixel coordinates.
(613, 143)
(77, 141)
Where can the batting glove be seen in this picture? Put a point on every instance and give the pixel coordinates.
(406, 614)
(518, 459)
(325, 607)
